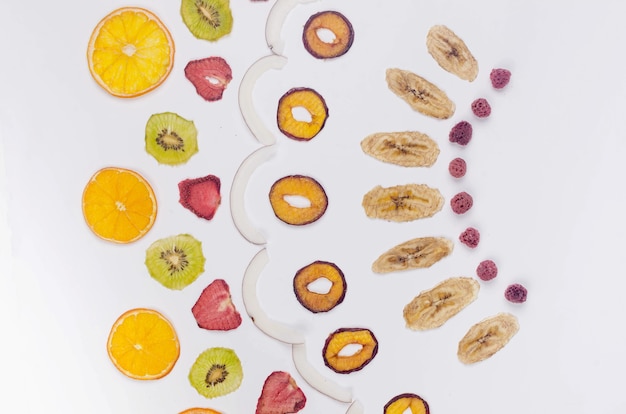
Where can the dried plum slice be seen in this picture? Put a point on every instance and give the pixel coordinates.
(314, 301)
(337, 45)
(343, 337)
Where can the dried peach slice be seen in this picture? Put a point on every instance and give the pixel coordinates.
(314, 301)
(400, 403)
(315, 105)
(340, 339)
(298, 186)
(342, 35)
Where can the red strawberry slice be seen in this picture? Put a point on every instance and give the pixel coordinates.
(210, 76)
(280, 395)
(201, 195)
(214, 310)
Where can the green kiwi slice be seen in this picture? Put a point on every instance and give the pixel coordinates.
(175, 261)
(170, 138)
(216, 372)
(207, 19)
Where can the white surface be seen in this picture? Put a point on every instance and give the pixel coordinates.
(545, 172)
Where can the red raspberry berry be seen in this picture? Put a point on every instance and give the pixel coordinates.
(461, 203)
(457, 167)
(487, 270)
(500, 78)
(481, 108)
(470, 237)
(516, 293)
(461, 133)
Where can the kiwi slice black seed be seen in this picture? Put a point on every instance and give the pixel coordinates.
(216, 372)
(175, 261)
(170, 138)
(207, 19)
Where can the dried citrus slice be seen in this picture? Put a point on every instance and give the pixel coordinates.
(197, 410)
(143, 344)
(130, 52)
(119, 205)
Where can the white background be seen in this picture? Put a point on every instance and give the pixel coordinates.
(545, 171)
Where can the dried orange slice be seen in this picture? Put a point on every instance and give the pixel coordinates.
(130, 52)
(119, 205)
(143, 344)
(197, 410)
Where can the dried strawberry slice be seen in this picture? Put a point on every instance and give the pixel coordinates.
(201, 195)
(210, 76)
(214, 310)
(280, 395)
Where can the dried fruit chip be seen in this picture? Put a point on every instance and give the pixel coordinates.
(119, 205)
(408, 148)
(280, 395)
(198, 410)
(130, 52)
(407, 401)
(487, 270)
(451, 53)
(457, 167)
(305, 129)
(487, 337)
(516, 293)
(461, 203)
(314, 301)
(143, 344)
(170, 138)
(500, 78)
(481, 108)
(421, 95)
(416, 253)
(340, 41)
(216, 372)
(201, 195)
(210, 76)
(176, 261)
(461, 133)
(299, 186)
(470, 237)
(343, 337)
(434, 307)
(207, 19)
(402, 202)
(214, 310)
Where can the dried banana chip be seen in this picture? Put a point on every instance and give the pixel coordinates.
(408, 149)
(401, 203)
(487, 337)
(432, 308)
(420, 94)
(416, 253)
(451, 53)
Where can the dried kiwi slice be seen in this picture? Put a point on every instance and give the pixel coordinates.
(175, 261)
(216, 372)
(170, 138)
(207, 19)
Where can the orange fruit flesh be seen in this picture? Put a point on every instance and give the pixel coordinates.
(197, 410)
(143, 344)
(119, 205)
(309, 100)
(399, 406)
(338, 25)
(130, 52)
(297, 185)
(350, 363)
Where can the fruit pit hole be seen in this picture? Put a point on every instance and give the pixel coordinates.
(321, 286)
(212, 80)
(300, 113)
(297, 201)
(326, 35)
(350, 350)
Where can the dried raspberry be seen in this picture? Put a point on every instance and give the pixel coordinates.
(461, 202)
(461, 133)
(481, 108)
(516, 293)
(487, 270)
(500, 78)
(470, 237)
(457, 167)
